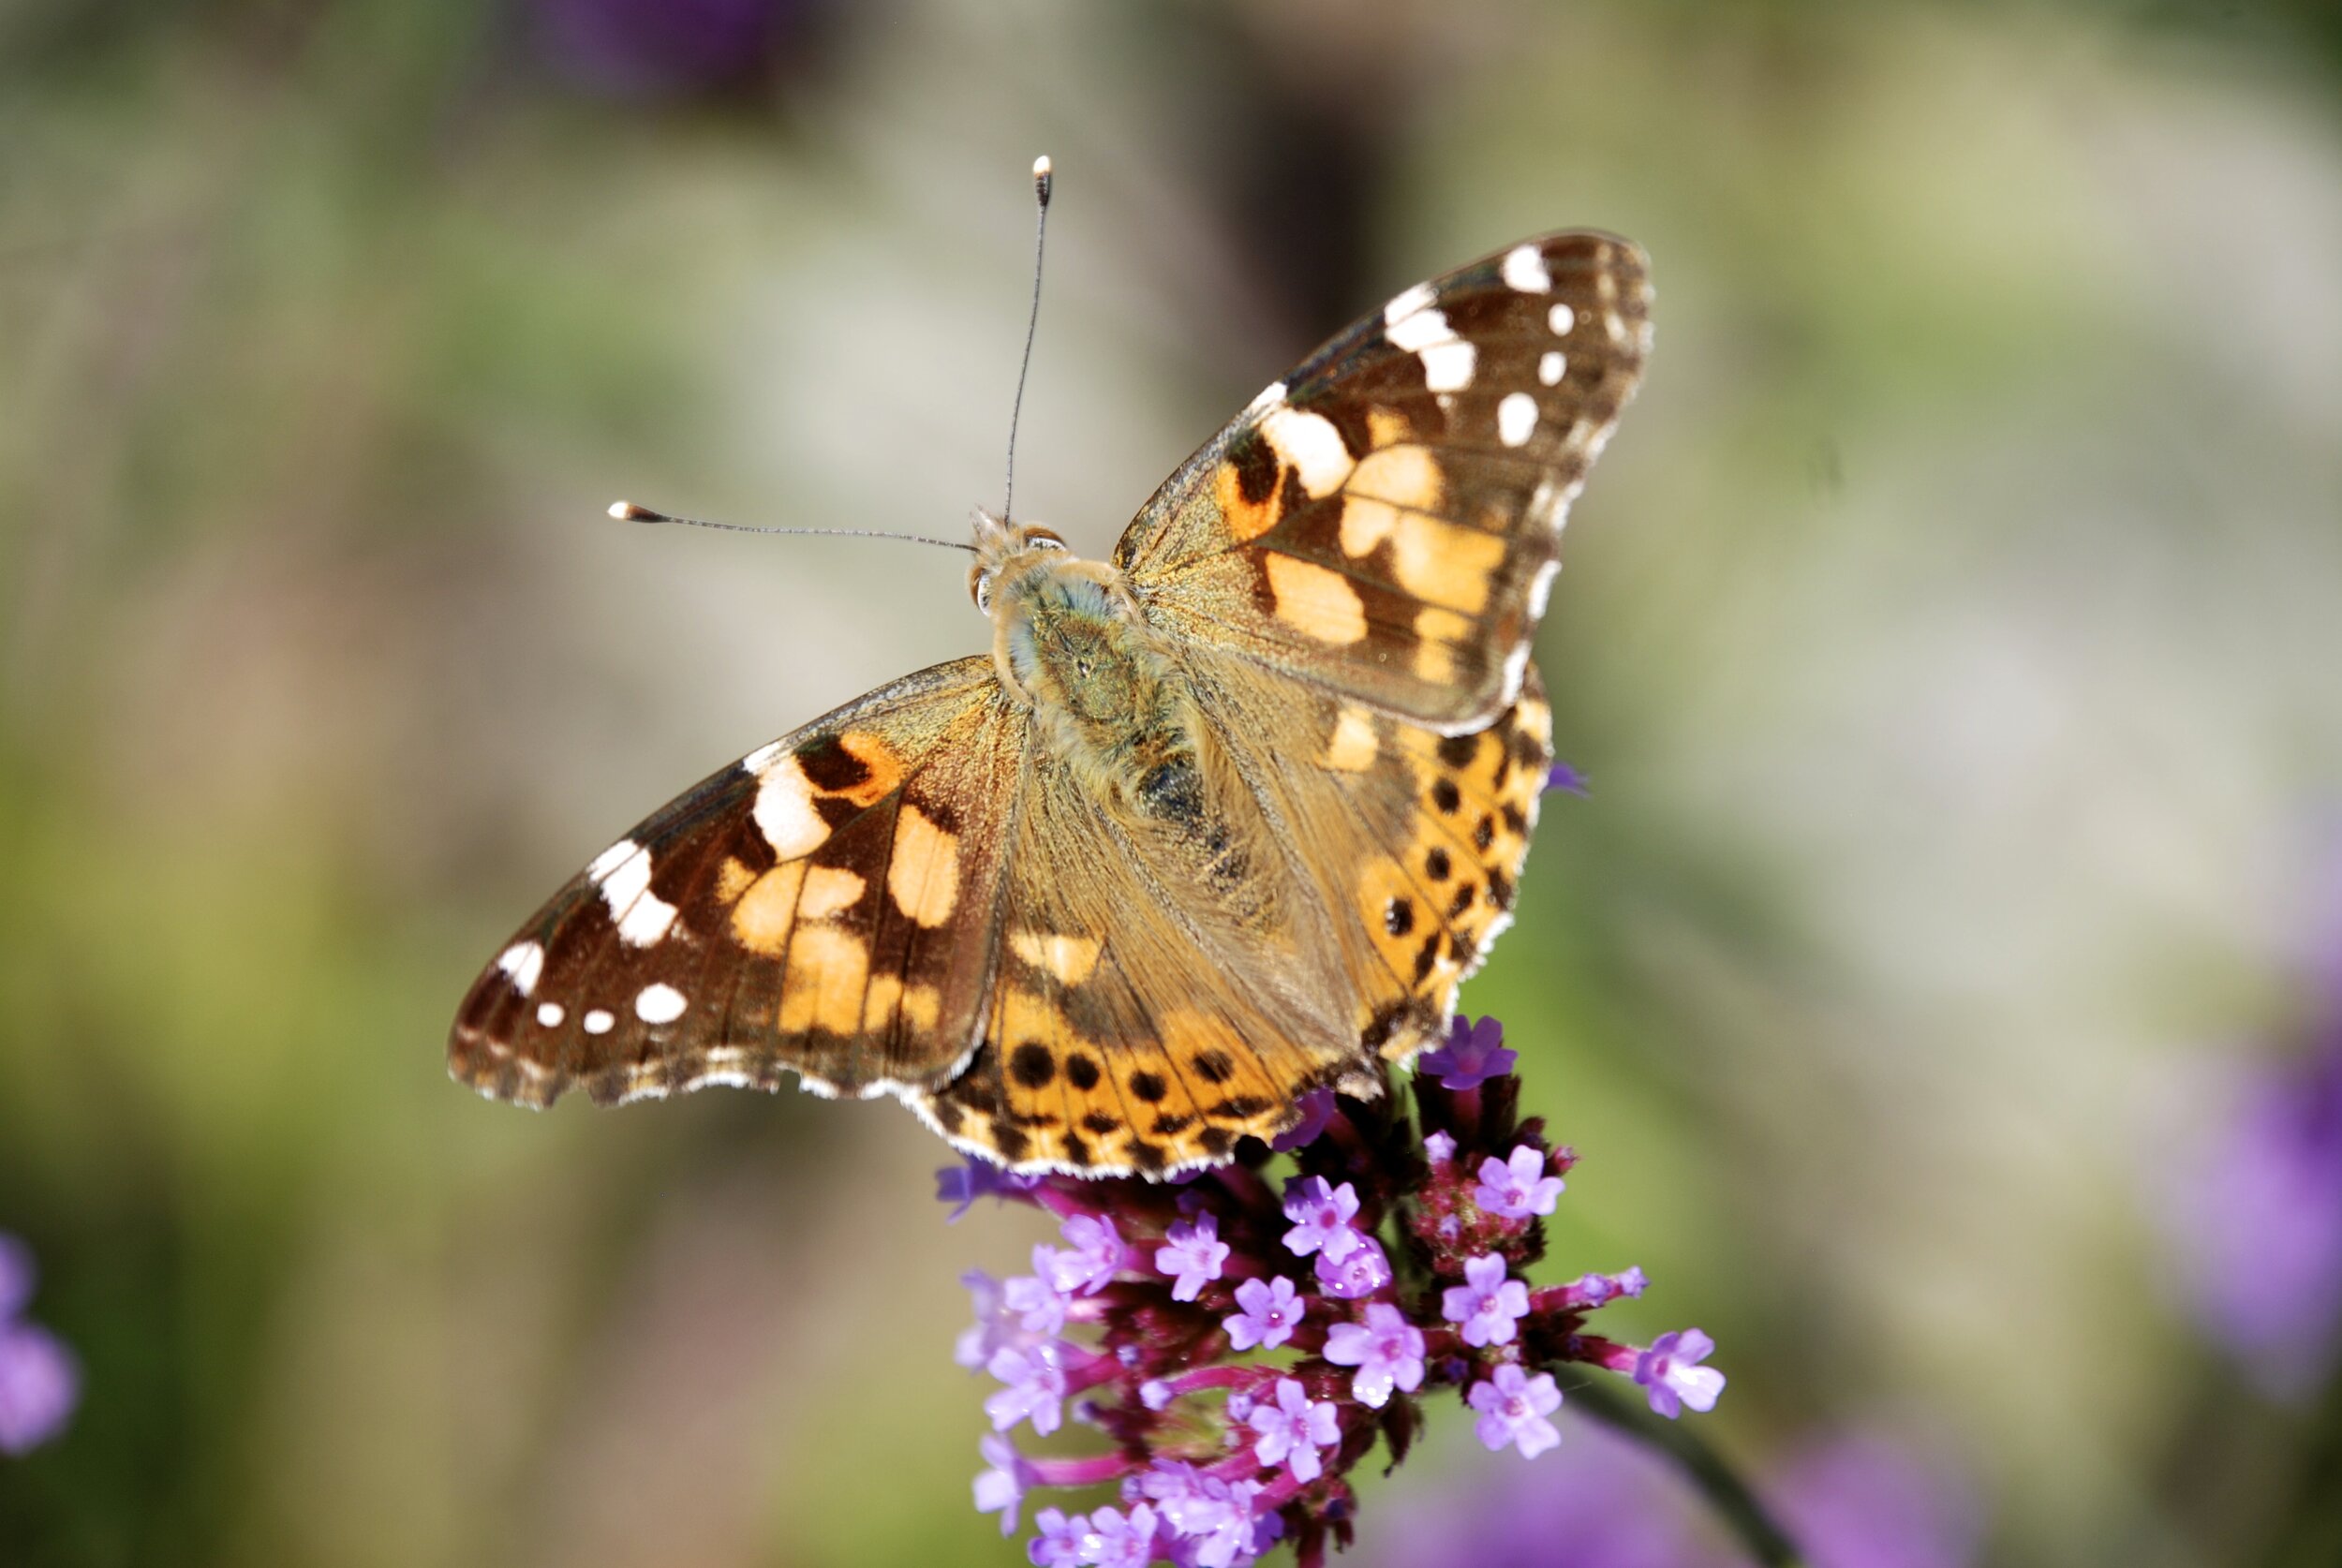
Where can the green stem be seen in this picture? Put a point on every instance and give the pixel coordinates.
(1726, 1493)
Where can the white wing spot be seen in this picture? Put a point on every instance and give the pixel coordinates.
(1516, 418)
(1407, 303)
(1311, 444)
(1552, 367)
(658, 1003)
(1541, 589)
(600, 1021)
(521, 964)
(1448, 366)
(1561, 319)
(1421, 330)
(1270, 395)
(611, 859)
(646, 920)
(762, 758)
(551, 1013)
(641, 916)
(1524, 269)
(784, 811)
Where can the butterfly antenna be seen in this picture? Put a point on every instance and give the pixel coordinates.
(1044, 177)
(627, 512)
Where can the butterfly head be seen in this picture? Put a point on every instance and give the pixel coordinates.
(1003, 548)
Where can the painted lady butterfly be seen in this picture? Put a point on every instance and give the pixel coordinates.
(1214, 823)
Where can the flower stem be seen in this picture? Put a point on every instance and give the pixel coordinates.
(1738, 1506)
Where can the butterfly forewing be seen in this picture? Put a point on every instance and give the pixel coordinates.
(1385, 522)
(825, 907)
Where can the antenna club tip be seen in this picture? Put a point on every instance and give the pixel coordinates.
(627, 512)
(1043, 176)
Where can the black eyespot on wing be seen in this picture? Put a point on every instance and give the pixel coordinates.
(1256, 467)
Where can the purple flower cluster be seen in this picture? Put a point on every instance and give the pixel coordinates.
(39, 1383)
(2251, 1194)
(1388, 1264)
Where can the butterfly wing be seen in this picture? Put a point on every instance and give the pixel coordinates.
(1158, 995)
(825, 907)
(1417, 840)
(1384, 523)
(1150, 1012)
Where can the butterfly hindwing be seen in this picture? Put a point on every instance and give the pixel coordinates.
(1385, 523)
(821, 907)
(1415, 840)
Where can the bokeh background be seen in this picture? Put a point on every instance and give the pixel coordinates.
(1953, 637)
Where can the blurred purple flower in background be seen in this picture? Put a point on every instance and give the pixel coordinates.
(1867, 1500)
(1600, 1501)
(39, 1383)
(2254, 1209)
(642, 48)
(1862, 1499)
(2257, 1221)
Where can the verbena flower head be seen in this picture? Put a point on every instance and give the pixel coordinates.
(39, 1382)
(1243, 1340)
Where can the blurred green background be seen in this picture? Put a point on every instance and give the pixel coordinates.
(1951, 637)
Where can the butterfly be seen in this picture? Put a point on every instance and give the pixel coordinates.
(1215, 823)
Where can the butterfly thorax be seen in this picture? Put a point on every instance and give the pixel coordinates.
(1107, 699)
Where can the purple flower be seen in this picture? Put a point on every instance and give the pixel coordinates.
(1610, 1503)
(1386, 1350)
(1439, 1148)
(39, 1386)
(1211, 1519)
(1474, 1053)
(39, 1381)
(1291, 1431)
(1059, 1543)
(1359, 1270)
(1561, 776)
(1193, 1257)
(1115, 1541)
(1596, 1289)
(1517, 1188)
(1672, 1373)
(961, 1185)
(1269, 1310)
(1317, 1111)
(1039, 1306)
(1000, 1489)
(653, 46)
(1321, 1216)
(1035, 1377)
(1096, 1252)
(1865, 1502)
(1513, 1408)
(2258, 1223)
(1487, 1304)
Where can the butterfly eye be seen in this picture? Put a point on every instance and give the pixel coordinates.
(1042, 538)
(979, 589)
